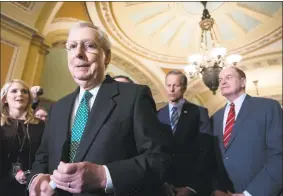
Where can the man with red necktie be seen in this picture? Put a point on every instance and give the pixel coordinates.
(248, 131)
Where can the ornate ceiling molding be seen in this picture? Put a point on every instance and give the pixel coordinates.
(261, 61)
(107, 18)
(24, 30)
(24, 5)
(17, 26)
(259, 43)
(105, 13)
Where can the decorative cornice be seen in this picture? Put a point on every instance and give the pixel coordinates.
(16, 26)
(40, 42)
(107, 18)
(65, 19)
(24, 30)
(261, 61)
(24, 5)
(105, 13)
(259, 43)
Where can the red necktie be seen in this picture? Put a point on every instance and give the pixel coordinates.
(229, 124)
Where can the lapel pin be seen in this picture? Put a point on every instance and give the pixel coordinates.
(185, 112)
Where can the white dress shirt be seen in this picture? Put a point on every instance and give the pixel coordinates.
(238, 104)
(94, 91)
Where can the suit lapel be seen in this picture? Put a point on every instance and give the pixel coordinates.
(220, 129)
(187, 115)
(100, 112)
(242, 116)
(67, 108)
(166, 116)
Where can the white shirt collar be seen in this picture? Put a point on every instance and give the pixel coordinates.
(238, 104)
(178, 105)
(93, 91)
(239, 101)
(79, 97)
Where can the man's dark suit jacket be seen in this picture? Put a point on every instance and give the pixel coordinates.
(252, 161)
(123, 133)
(192, 148)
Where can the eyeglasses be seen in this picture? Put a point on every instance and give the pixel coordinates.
(88, 46)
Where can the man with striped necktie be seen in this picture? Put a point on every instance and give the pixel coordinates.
(190, 172)
(249, 140)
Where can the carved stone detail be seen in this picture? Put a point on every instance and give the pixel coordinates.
(108, 19)
(106, 16)
(24, 5)
(265, 40)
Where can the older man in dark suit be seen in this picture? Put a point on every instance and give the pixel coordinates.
(249, 140)
(191, 171)
(104, 138)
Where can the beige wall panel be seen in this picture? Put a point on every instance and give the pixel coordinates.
(16, 71)
(7, 53)
(27, 17)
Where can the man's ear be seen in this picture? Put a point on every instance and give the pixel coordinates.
(243, 82)
(107, 58)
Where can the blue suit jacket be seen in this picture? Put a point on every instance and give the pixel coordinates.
(252, 160)
(192, 144)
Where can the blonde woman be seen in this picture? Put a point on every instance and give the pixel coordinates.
(20, 135)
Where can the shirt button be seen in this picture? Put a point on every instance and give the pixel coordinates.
(226, 157)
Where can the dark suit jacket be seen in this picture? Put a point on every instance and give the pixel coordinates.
(123, 133)
(192, 148)
(253, 159)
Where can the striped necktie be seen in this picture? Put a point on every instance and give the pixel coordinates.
(174, 119)
(79, 124)
(229, 125)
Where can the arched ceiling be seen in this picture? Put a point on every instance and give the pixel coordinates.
(151, 38)
(169, 31)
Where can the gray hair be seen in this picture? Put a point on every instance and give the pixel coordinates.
(184, 80)
(103, 38)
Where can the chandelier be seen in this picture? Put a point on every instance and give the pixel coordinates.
(207, 64)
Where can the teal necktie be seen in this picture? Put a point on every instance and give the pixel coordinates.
(79, 124)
